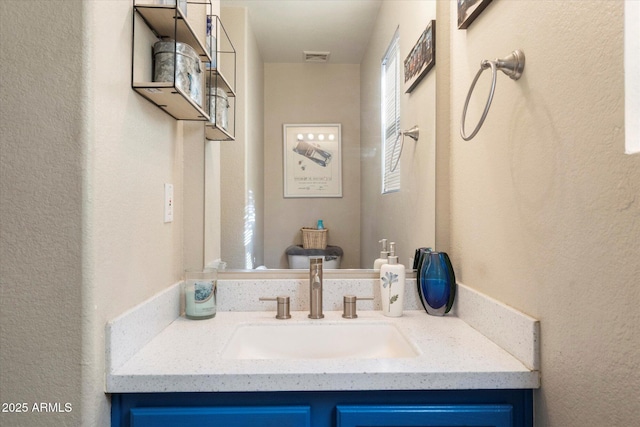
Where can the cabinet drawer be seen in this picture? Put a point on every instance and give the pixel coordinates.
(231, 416)
(425, 415)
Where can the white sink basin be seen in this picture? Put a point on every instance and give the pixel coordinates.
(318, 341)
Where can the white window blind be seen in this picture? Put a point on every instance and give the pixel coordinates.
(390, 107)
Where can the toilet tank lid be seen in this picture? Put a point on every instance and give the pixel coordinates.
(329, 251)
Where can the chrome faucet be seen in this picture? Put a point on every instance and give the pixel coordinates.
(315, 287)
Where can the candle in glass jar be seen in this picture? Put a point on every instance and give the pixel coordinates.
(200, 294)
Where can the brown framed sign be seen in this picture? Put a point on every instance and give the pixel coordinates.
(421, 59)
(468, 10)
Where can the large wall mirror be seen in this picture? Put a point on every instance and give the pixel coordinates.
(276, 86)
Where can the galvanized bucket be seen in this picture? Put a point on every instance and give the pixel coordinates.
(189, 73)
(219, 107)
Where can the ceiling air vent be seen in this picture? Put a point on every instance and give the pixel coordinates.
(316, 56)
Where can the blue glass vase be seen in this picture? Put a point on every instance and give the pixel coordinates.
(421, 256)
(436, 283)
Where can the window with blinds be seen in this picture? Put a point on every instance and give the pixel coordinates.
(390, 107)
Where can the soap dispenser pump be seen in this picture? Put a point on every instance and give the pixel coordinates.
(384, 255)
(392, 278)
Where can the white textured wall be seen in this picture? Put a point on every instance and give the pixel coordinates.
(308, 94)
(545, 204)
(408, 216)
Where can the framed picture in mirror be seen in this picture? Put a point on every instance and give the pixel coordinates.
(421, 59)
(312, 160)
(468, 10)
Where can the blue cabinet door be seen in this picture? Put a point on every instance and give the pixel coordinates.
(240, 416)
(425, 416)
(325, 409)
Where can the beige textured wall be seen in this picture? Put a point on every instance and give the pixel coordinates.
(41, 209)
(545, 204)
(306, 94)
(84, 162)
(242, 160)
(408, 216)
(193, 200)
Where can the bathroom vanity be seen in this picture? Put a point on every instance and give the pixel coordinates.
(245, 367)
(499, 408)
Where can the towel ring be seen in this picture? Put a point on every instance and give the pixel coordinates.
(413, 133)
(512, 66)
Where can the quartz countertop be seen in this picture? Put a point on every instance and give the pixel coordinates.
(186, 356)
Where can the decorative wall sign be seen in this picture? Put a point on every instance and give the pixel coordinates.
(468, 10)
(312, 160)
(421, 59)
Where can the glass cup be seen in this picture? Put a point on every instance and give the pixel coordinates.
(199, 290)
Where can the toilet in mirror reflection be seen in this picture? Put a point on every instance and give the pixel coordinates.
(298, 257)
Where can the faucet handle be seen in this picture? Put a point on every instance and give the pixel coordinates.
(283, 306)
(349, 310)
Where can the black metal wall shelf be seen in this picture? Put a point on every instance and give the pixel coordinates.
(222, 75)
(168, 22)
(172, 100)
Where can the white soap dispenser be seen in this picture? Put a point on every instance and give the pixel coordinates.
(384, 255)
(392, 278)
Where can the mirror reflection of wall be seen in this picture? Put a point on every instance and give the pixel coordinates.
(257, 222)
(312, 93)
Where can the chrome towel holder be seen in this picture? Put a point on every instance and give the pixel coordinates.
(413, 133)
(512, 66)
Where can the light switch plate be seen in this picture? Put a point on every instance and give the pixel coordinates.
(168, 203)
